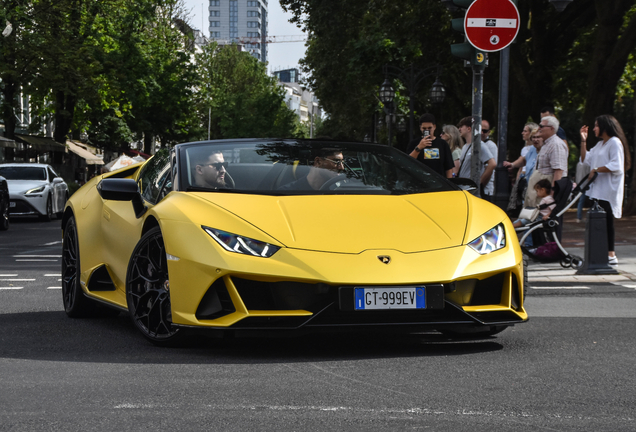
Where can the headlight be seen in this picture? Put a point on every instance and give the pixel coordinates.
(36, 190)
(243, 245)
(490, 241)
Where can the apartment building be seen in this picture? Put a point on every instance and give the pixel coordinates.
(240, 21)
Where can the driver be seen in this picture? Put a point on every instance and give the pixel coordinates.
(328, 164)
(210, 170)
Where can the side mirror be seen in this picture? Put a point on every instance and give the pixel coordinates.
(58, 180)
(116, 189)
(464, 183)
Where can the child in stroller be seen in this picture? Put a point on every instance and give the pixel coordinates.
(547, 244)
(542, 212)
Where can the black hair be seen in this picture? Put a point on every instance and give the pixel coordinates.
(544, 184)
(466, 121)
(427, 118)
(611, 126)
(548, 109)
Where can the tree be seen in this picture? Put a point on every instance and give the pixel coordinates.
(237, 98)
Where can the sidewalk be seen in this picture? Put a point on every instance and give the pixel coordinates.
(574, 242)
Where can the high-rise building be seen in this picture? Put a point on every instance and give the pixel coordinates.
(240, 21)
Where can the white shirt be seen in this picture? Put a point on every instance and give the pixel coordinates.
(524, 152)
(492, 147)
(608, 186)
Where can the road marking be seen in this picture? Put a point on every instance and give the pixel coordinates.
(52, 243)
(17, 280)
(56, 288)
(8, 275)
(10, 288)
(37, 256)
(32, 260)
(559, 287)
(53, 275)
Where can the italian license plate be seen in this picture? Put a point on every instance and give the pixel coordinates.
(390, 298)
(12, 204)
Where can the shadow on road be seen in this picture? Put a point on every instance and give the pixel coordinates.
(52, 336)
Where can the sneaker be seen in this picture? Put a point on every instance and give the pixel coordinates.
(612, 260)
(579, 220)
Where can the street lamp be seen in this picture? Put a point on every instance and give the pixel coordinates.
(387, 94)
(437, 93)
(411, 80)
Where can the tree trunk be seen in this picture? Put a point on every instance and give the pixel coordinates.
(630, 203)
(610, 56)
(64, 110)
(8, 107)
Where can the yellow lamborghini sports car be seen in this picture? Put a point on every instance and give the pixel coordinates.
(289, 235)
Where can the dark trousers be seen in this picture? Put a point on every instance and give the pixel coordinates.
(609, 219)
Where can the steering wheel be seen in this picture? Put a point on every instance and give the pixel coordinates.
(333, 181)
(229, 181)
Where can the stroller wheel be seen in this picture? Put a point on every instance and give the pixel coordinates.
(577, 263)
(566, 262)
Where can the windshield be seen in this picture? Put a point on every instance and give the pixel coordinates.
(23, 173)
(303, 167)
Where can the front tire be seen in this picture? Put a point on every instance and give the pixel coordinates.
(49, 210)
(76, 305)
(148, 290)
(4, 218)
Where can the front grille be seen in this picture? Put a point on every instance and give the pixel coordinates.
(284, 295)
(488, 291)
(22, 207)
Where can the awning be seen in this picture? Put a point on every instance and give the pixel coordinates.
(90, 158)
(41, 143)
(6, 142)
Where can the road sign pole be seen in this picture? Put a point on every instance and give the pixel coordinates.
(478, 92)
(501, 174)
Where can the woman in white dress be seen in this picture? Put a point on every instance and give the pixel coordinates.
(609, 158)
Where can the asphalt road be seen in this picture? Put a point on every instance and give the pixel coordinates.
(571, 368)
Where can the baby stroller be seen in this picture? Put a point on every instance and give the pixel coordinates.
(545, 238)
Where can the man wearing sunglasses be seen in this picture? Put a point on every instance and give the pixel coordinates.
(328, 163)
(210, 172)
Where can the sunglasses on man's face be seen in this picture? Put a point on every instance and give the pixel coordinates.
(335, 161)
(217, 165)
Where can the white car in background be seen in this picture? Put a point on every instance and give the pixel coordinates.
(34, 189)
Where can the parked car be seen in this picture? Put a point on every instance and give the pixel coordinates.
(289, 236)
(34, 189)
(4, 204)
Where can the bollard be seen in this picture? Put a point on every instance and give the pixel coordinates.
(596, 249)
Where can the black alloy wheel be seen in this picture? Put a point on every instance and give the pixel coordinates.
(76, 304)
(49, 210)
(4, 217)
(148, 290)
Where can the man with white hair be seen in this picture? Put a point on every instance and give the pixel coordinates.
(552, 161)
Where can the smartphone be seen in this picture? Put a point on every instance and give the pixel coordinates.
(425, 133)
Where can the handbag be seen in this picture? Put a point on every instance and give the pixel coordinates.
(529, 213)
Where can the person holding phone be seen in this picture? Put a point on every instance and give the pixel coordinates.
(431, 151)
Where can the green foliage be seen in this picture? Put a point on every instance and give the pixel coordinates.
(237, 97)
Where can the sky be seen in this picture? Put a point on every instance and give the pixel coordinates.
(281, 55)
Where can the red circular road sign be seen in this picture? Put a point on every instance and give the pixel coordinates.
(491, 25)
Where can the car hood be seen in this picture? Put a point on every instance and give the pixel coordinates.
(19, 186)
(353, 223)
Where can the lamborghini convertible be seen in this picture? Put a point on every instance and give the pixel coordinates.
(289, 236)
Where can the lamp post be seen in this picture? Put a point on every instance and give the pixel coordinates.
(412, 80)
(387, 94)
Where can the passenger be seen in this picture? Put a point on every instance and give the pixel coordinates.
(544, 191)
(326, 165)
(209, 169)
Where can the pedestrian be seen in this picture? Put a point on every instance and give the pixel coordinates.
(489, 190)
(451, 135)
(552, 161)
(488, 163)
(431, 151)
(609, 158)
(519, 188)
